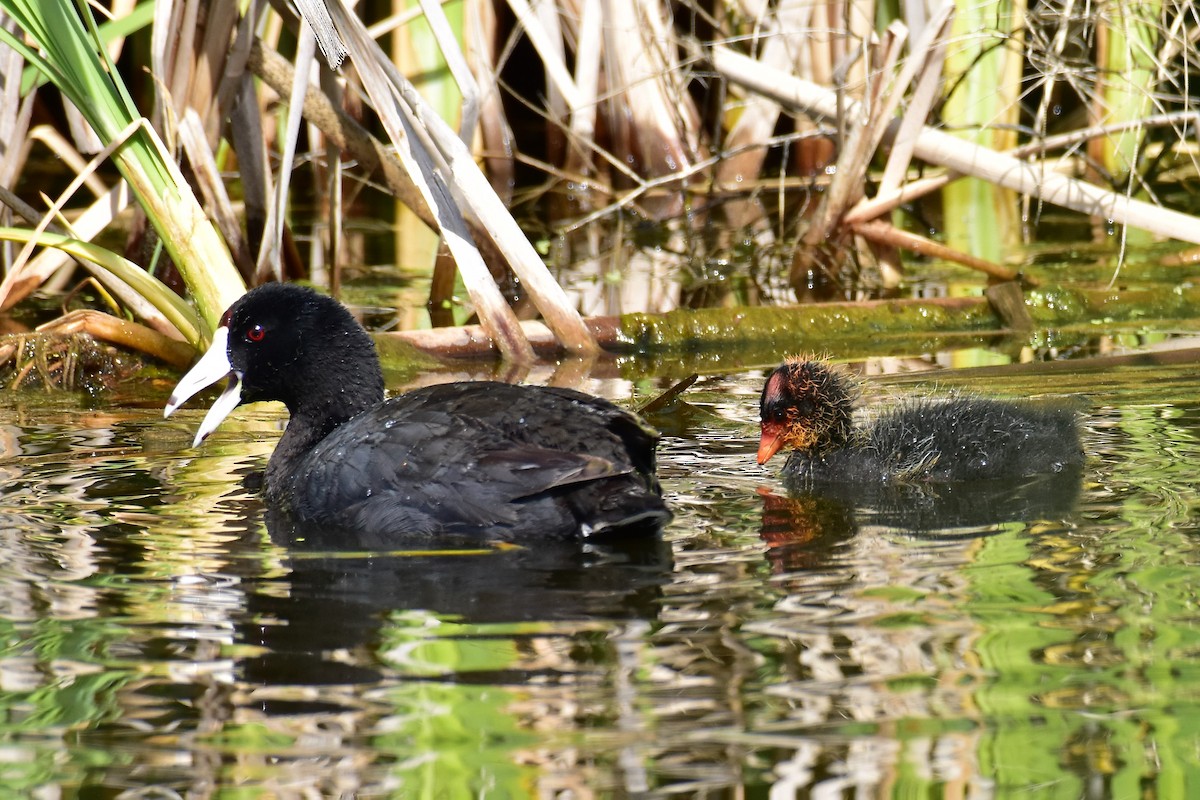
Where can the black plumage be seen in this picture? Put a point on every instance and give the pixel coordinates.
(808, 407)
(481, 457)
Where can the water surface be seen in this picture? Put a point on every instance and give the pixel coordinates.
(1031, 640)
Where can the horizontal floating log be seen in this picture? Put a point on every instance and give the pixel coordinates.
(816, 326)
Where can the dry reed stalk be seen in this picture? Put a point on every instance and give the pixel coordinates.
(494, 134)
(334, 199)
(1125, 43)
(83, 137)
(188, 50)
(549, 48)
(248, 121)
(884, 233)
(814, 62)
(123, 333)
(589, 42)
(1187, 258)
(558, 113)
(212, 188)
(456, 62)
(881, 203)
(394, 101)
(653, 118)
(23, 210)
(15, 116)
(937, 147)
(437, 151)
(662, 49)
(341, 129)
(214, 60)
(858, 33)
(83, 176)
(1050, 78)
(783, 34)
(862, 140)
(137, 302)
(1011, 76)
(926, 57)
(69, 155)
(886, 199)
(861, 134)
(315, 15)
(201, 72)
(269, 263)
(171, 39)
(14, 113)
(247, 135)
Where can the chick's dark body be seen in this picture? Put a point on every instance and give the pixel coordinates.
(942, 441)
(807, 407)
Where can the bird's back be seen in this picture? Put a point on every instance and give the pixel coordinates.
(498, 459)
(960, 439)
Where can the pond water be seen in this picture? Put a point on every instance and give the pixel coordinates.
(1039, 640)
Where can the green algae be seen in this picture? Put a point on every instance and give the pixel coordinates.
(400, 360)
(817, 326)
(809, 326)
(1059, 305)
(717, 339)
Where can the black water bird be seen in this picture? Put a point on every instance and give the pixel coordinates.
(477, 458)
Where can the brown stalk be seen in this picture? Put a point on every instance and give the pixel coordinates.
(884, 233)
(212, 188)
(430, 154)
(123, 333)
(860, 146)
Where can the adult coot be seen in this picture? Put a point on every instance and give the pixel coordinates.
(481, 457)
(808, 406)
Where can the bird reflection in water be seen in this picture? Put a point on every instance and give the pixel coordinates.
(803, 526)
(338, 593)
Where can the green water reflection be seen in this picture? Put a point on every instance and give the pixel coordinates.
(1016, 641)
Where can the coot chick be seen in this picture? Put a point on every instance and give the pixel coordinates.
(809, 406)
(482, 458)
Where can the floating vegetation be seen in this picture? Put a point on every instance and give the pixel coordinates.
(62, 362)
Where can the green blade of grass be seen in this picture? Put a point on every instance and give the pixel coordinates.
(105, 264)
(68, 50)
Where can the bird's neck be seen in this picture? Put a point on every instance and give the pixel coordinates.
(310, 420)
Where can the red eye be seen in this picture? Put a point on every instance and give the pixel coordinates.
(255, 333)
